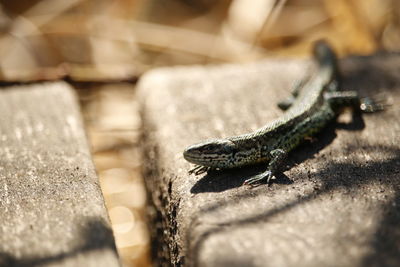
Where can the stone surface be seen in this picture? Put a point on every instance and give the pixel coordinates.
(337, 205)
(51, 207)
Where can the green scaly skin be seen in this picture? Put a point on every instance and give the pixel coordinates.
(314, 103)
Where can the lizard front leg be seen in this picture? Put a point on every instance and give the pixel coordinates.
(277, 159)
(290, 140)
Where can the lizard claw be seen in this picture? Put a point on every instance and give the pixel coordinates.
(257, 180)
(373, 104)
(198, 170)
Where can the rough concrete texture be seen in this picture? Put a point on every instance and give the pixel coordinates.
(51, 207)
(338, 204)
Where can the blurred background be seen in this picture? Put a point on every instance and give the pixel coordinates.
(102, 47)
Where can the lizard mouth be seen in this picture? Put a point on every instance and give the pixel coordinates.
(194, 157)
(214, 153)
(191, 153)
(191, 158)
(198, 158)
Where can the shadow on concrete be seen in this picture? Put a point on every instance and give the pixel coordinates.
(369, 73)
(95, 234)
(386, 241)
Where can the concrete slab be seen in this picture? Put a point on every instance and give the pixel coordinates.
(337, 205)
(51, 207)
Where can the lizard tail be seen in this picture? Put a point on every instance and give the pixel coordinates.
(326, 58)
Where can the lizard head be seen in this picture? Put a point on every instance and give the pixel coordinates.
(218, 153)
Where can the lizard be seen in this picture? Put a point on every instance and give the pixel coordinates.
(314, 102)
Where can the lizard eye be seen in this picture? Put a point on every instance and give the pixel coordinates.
(223, 146)
(210, 148)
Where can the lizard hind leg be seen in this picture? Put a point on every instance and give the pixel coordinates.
(286, 103)
(351, 98)
(373, 104)
(296, 88)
